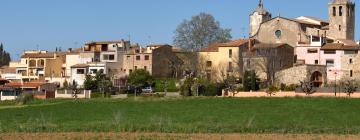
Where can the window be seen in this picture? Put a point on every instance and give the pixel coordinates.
(147, 57)
(208, 63)
(350, 61)
(350, 52)
(109, 57)
(128, 57)
(104, 47)
(334, 11)
(138, 57)
(80, 71)
(316, 62)
(145, 67)
(93, 71)
(340, 11)
(137, 51)
(312, 51)
(330, 63)
(135, 67)
(130, 70)
(351, 73)
(230, 67)
(278, 33)
(339, 27)
(329, 52)
(230, 53)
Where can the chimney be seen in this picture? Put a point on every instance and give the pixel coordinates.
(69, 49)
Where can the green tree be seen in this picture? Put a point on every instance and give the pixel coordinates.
(199, 32)
(140, 78)
(254, 82)
(246, 81)
(90, 83)
(4, 56)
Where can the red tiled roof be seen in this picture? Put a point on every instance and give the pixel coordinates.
(24, 85)
(80, 66)
(339, 46)
(38, 55)
(215, 46)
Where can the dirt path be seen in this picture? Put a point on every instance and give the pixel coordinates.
(165, 136)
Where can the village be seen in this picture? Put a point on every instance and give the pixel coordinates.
(280, 51)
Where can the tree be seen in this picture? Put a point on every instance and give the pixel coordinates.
(199, 32)
(307, 87)
(349, 87)
(90, 83)
(75, 89)
(140, 78)
(4, 56)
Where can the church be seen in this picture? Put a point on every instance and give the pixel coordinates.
(324, 51)
(339, 26)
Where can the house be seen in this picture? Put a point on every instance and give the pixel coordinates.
(40, 90)
(341, 60)
(158, 59)
(9, 73)
(267, 59)
(221, 60)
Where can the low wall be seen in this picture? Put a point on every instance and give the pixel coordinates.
(68, 94)
(289, 94)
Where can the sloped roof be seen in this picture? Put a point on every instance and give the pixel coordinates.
(80, 66)
(38, 55)
(339, 46)
(215, 46)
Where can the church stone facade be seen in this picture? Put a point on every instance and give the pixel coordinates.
(341, 25)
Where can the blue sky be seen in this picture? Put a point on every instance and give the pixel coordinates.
(46, 24)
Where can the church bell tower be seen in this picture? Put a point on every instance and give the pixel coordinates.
(342, 19)
(257, 17)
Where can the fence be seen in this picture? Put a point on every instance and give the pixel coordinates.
(69, 94)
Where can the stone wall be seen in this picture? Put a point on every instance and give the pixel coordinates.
(299, 73)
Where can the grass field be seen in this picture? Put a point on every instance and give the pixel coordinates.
(185, 115)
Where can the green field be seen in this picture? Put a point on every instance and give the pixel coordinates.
(185, 115)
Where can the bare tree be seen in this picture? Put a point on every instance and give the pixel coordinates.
(199, 32)
(75, 90)
(307, 87)
(349, 87)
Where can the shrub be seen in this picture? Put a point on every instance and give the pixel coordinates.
(284, 87)
(212, 89)
(100, 95)
(152, 95)
(170, 85)
(185, 89)
(24, 98)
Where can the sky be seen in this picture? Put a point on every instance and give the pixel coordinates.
(47, 24)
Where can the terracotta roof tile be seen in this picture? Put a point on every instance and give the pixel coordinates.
(80, 66)
(339, 46)
(38, 55)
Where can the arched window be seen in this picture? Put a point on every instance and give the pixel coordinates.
(340, 11)
(334, 11)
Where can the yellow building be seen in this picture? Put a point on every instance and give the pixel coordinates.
(221, 60)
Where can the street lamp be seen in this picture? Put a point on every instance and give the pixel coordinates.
(335, 81)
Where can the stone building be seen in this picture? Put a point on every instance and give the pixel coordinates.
(267, 59)
(292, 31)
(342, 19)
(158, 59)
(293, 75)
(259, 16)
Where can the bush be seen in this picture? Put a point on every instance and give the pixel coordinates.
(24, 98)
(291, 87)
(185, 89)
(99, 95)
(152, 95)
(212, 89)
(171, 85)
